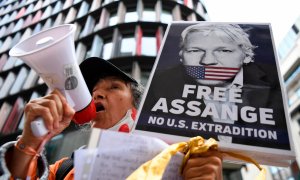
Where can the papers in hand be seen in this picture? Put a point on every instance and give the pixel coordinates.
(115, 155)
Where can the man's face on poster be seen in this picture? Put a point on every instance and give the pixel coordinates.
(211, 49)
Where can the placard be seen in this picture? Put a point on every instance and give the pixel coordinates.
(219, 80)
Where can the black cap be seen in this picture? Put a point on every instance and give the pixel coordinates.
(95, 68)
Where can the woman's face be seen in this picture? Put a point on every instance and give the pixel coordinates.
(113, 98)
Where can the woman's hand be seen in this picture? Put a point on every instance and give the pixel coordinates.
(55, 112)
(206, 166)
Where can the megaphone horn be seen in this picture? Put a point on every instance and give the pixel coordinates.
(51, 53)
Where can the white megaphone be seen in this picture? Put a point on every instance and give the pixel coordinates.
(51, 53)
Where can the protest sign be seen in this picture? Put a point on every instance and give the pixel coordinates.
(219, 80)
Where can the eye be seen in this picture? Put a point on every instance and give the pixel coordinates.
(226, 50)
(114, 87)
(193, 50)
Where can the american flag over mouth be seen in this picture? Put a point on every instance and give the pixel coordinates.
(211, 72)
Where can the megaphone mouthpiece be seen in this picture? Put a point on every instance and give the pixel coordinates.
(44, 41)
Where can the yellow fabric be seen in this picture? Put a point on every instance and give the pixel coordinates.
(154, 169)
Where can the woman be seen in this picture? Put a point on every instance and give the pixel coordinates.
(116, 97)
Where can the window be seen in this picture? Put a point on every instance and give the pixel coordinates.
(287, 43)
(298, 92)
(108, 1)
(107, 50)
(113, 20)
(149, 15)
(149, 46)
(166, 17)
(131, 16)
(292, 75)
(180, 1)
(292, 99)
(128, 46)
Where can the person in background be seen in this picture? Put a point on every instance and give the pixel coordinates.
(116, 96)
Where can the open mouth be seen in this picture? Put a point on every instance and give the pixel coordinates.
(99, 107)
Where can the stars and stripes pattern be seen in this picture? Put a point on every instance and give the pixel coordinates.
(211, 72)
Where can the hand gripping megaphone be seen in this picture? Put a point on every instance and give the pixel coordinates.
(51, 53)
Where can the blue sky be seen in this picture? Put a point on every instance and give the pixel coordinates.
(281, 14)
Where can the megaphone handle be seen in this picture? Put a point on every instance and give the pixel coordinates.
(38, 127)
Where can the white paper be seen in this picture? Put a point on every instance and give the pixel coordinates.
(82, 162)
(119, 154)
